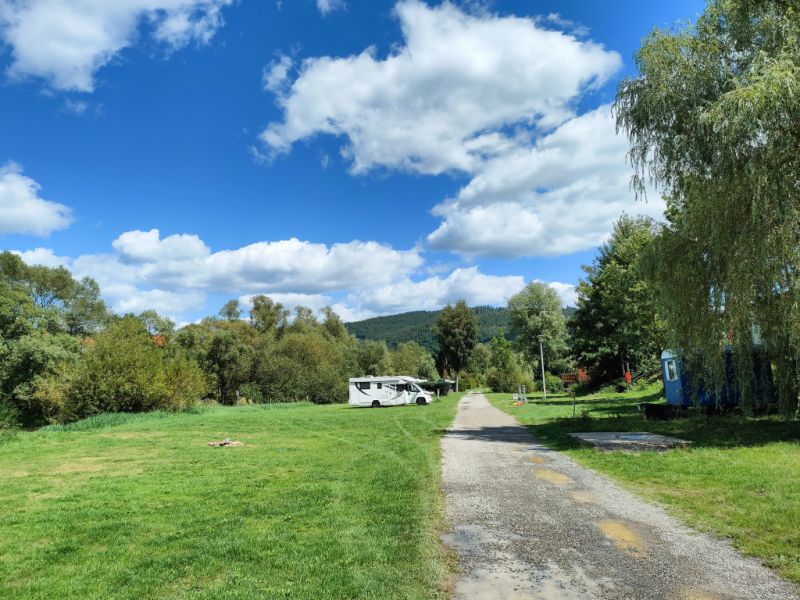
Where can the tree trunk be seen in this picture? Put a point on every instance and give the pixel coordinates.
(457, 375)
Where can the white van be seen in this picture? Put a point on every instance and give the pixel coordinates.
(387, 391)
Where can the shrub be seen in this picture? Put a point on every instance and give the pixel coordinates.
(122, 371)
(508, 380)
(469, 381)
(31, 358)
(554, 384)
(251, 393)
(304, 366)
(9, 416)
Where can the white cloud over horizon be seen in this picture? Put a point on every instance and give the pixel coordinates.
(176, 274)
(555, 197)
(22, 210)
(65, 42)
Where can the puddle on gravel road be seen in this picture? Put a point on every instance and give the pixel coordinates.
(539, 460)
(701, 593)
(551, 476)
(624, 537)
(582, 496)
(514, 580)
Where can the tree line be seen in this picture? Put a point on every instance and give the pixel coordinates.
(712, 119)
(418, 326)
(64, 356)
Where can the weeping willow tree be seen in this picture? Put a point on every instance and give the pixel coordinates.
(714, 123)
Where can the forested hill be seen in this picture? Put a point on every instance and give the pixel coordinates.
(417, 325)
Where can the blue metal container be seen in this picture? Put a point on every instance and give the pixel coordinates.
(680, 387)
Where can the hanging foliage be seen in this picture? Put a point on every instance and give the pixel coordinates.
(714, 122)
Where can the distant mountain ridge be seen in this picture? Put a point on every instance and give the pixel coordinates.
(416, 326)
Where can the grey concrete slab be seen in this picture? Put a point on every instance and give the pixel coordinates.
(630, 441)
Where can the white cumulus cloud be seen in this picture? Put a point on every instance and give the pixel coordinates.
(498, 105)
(448, 98)
(44, 257)
(557, 196)
(175, 275)
(184, 262)
(22, 210)
(434, 292)
(65, 42)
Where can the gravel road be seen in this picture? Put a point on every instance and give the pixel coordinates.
(528, 522)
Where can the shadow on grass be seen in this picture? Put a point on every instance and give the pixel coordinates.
(703, 432)
(599, 400)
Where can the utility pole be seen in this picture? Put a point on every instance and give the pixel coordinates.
(541, 353)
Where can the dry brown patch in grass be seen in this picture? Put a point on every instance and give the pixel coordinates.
(15, 473)
(86, 464)
(37, 497)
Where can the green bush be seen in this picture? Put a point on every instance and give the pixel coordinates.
(9, 416)
(251, 393)
(469, 381)
(305, 366)
(122, 370)
(30, 359)
(508, 381)
(554, 384)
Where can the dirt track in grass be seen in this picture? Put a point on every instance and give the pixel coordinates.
(528, 522)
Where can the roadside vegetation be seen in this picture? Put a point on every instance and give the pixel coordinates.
(738, 479)
(64, 356)
(318, 498)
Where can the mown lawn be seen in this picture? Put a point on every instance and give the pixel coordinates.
(741, 478)
(319, 502)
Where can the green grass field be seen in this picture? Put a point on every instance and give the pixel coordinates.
(319, 502)
(741, 478)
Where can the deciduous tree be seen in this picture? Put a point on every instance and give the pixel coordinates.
(536, 316)
(713, 119)
(616, 323)
(456, 331)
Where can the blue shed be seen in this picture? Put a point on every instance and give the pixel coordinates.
(680, 389)
(677, 386)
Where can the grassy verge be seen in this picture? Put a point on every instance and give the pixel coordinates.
(741, 478)
(319, 502)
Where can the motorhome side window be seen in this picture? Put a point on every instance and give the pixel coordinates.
(672, 371)
(363, 385)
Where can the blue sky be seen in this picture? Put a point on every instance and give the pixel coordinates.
(375, 156)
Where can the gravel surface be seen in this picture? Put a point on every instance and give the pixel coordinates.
(528, 522)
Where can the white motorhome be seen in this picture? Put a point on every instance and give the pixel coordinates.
(387, 391)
